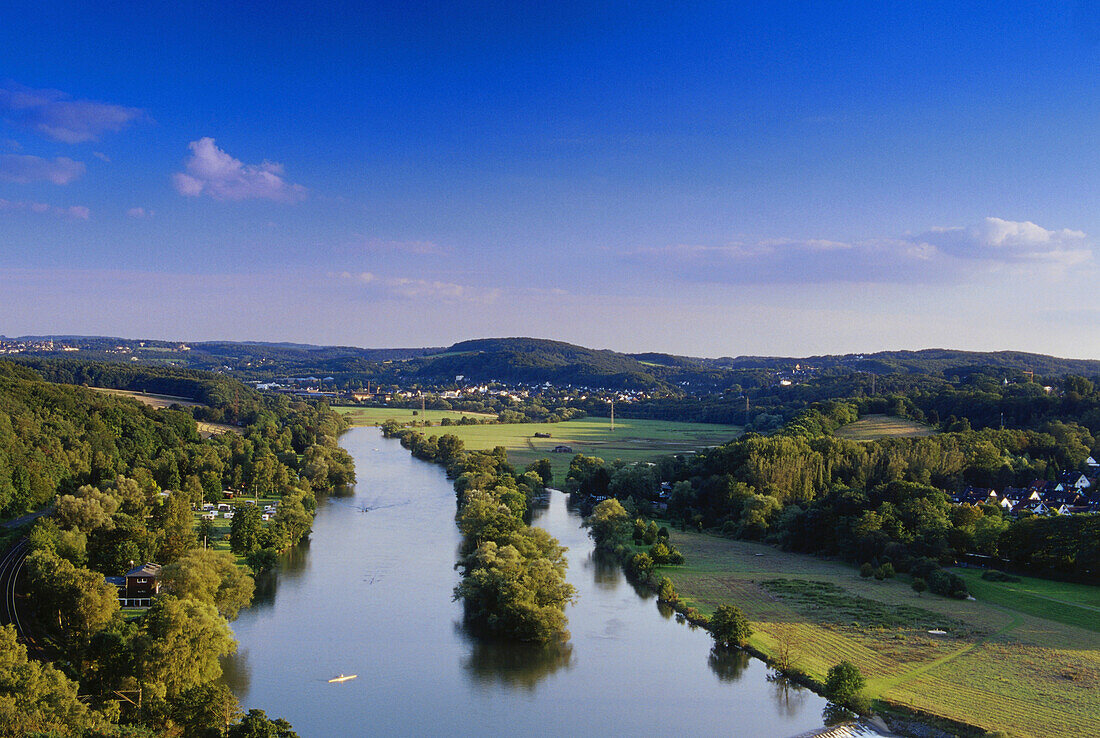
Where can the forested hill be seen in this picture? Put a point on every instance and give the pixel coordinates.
(533, 360)
(936, 362)
(538, 360)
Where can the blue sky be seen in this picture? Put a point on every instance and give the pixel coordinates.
(702, 178)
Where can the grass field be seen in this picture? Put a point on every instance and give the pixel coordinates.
(1064, 602)
(161, 401)
(378, 415)
(632, 440)
(871, 427)
(1001, 666)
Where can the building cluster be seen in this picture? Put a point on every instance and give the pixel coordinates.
(22, 346)
(1074, 493)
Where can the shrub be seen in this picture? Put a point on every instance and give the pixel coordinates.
(666, 592)
(843, 682)
(641, 565)
(943, 582)
(866, 571)
(730, 627)
(919, 585)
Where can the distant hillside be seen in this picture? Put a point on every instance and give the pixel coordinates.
(938, 362)
(538, 360)
(534, 360)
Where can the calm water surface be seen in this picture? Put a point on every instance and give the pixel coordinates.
(371, 595)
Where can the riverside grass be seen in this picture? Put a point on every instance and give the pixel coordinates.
(1000, 667)
(632, 440)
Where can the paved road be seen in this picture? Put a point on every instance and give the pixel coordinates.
(14, 522)
(9, 574)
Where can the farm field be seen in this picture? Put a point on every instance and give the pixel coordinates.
(161, 401)
(872, 427)
(632, 440)
(378, 415)
(1000, 667)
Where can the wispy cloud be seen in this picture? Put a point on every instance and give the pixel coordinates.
(213, 172)
(949, 254)
(56, 115)
(423, 248)
(24, 168)
(418, 289)
(76, 212)
(139, 213)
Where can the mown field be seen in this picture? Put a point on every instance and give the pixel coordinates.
(160, 401)
(1065, 602)
(1001, 666)
(632, 440)
(871, 427)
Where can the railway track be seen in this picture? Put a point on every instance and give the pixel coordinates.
(10, 566)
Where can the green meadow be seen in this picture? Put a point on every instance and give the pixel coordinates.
(632, 440)
(1007, 662)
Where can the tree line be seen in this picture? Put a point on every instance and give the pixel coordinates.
(513, 574)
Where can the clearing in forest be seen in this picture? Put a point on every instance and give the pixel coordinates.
(872, 427)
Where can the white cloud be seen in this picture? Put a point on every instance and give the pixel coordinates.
(996, 239)
(24, 168)
(213, 172)
(938, 255)
(139, 213)
(101, 156)
(417, 289)
(55, 115)
(76, 212)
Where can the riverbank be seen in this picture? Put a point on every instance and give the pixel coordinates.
(997, 668)
(390, 543)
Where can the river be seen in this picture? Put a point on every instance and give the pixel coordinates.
(370, 594)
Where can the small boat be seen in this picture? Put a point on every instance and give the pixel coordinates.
(342, 678)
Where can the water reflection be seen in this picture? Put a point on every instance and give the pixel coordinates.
(834, 714)
(236, 673)
(493, 662)
(728, 664)
(789, 696)
(666, 610)
(606, 571)
(293, 564)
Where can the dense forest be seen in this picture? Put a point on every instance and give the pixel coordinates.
(124, 480)
(873, 502)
